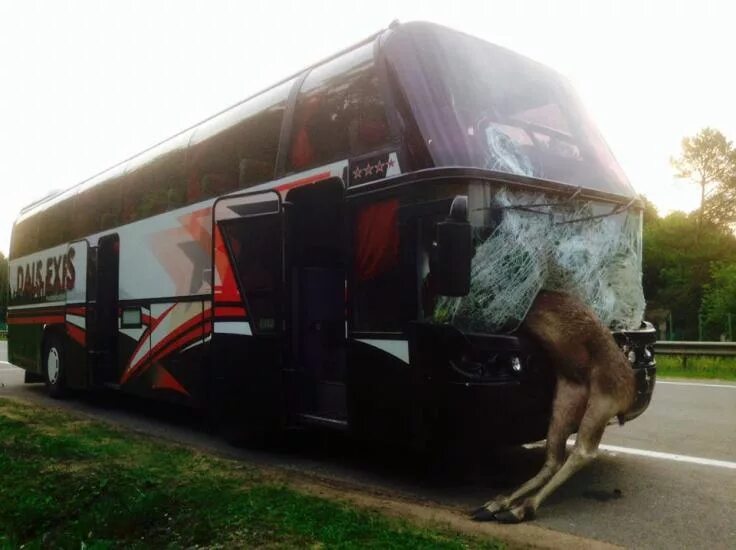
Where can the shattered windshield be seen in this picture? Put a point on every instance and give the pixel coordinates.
(531, 242)
(480, 105)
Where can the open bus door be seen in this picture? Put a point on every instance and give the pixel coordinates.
(287, 261)
(316, 272)
(102, 311)
(248, 351)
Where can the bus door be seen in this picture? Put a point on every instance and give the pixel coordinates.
(248, 305)
(315, 274)
(102, 310)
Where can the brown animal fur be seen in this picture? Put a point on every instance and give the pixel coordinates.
(595, 383)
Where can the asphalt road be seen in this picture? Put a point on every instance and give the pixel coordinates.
(678, 488)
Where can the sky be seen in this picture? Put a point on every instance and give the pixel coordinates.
(85, 84)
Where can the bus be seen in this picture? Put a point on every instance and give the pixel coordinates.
(282, 263)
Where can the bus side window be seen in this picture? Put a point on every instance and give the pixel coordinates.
(127, 214)
(25, 238)
(87, 222)
(257, 144)
(339, 113)
(109, 204)
(55, 226)
(237, 149)
(381, 293)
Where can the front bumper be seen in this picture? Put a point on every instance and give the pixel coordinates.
(638, 345)
(497, 389)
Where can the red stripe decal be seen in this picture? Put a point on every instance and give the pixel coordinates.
(78, 310)
(36, 311)
(164, 381)
(152, 324)
(229, 311)
(183, 341)
(161, 317)
(304, 181)
(36, 320)
(76, 334)
(227, 289)
(176, 333)
(155, 352)
(144, 339)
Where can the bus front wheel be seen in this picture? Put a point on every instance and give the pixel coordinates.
(53, 367)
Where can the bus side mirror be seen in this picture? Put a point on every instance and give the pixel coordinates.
(453, 251)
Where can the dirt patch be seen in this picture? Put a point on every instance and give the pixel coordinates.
(428, 513)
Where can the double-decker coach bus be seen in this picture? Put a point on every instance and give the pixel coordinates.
(271, 263)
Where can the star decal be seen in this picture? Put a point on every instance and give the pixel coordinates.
(372, 169)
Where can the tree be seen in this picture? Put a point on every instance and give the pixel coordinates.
(707, 159)
(651, 215)
(3, 287)
(721, 207)
(719, 300)
(677, 269)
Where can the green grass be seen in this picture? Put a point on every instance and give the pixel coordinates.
(71, 483)
(722, 368)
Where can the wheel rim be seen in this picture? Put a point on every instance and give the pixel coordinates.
(52, 365)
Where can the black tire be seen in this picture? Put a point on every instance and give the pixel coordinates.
(54, 373)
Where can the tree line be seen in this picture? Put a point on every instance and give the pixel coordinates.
(690, 259)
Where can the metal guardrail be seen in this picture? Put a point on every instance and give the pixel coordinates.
(662, 347)
(720, 349)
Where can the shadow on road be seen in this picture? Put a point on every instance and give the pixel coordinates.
(320, 453)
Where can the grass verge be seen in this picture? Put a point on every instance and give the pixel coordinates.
(722, 368)
(72, 483)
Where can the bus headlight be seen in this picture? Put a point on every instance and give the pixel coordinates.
(516, 364)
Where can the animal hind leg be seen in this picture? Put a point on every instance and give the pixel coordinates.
(595, 419)
(567, 409)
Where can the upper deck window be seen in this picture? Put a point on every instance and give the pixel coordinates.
(483, 106)
(339, 112)
(237, 149)
(25, 239)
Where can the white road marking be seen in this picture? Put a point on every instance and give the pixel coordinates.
(651, 454)
(732, 386)
(669, 456)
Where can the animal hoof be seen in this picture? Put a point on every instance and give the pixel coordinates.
(507, 516)
(483, 514)
(517, 515)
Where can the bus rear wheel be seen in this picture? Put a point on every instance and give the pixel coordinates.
(53, 367)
